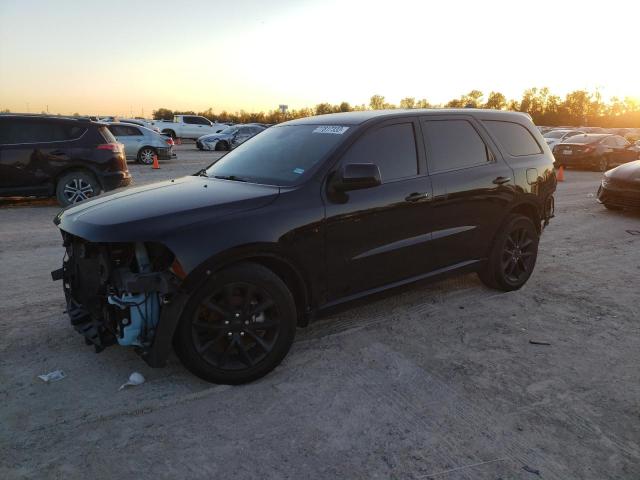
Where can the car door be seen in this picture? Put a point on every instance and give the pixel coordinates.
(36, 150)
(472, 188)
(242, 135)
(380, 235)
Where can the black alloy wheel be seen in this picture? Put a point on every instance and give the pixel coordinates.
(238, 327)
(517, 255)
(513, 254)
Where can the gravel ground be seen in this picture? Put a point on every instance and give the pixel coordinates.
(435, 381)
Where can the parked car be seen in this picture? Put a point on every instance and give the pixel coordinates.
(141, 144)
(188, 126)
(600, 151)
(228, 138)
(555, 137)
(620, 187)
(308, 215)
(71, 159)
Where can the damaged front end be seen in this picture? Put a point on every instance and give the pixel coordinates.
(121, 293)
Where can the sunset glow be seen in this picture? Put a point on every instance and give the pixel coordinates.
(131, 57)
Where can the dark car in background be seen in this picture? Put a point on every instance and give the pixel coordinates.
(71, 159)
(228, 138)
(620, 187)
(310, 214)
(594, 151)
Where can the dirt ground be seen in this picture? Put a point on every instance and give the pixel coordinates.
(436, 381)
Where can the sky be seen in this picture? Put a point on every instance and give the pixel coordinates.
(128, 57)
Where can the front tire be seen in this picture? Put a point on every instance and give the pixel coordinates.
(238, 326)
(513, 255)
(145, 155)
(73, 187)
(222, 147)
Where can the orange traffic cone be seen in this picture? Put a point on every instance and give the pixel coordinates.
(178, 141)
(156, 165)
(560, 174)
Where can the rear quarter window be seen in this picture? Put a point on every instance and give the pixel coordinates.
(514, 138)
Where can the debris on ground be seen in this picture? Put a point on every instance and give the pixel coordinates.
(527, 468)
(539, 342)
(135, 379)
(52, 376)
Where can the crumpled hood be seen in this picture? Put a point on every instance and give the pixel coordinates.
(214, 137)
(151, 212)
(627, 171)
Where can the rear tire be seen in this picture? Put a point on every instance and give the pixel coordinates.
(171, 133)
(512, 256)
(75, 186)
(145, 155)
(238, 326)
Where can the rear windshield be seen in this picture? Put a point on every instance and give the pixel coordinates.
(107, 135)
(283, 155)
(582, 139)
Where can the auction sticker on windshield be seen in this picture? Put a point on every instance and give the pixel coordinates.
(334, 129)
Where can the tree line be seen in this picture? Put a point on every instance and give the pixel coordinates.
(578, 108)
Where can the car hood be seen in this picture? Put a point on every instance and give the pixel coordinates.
(629, 172)
(152, 212)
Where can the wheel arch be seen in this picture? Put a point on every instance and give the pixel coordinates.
(531, 210)
(285, 268)
(74, 168)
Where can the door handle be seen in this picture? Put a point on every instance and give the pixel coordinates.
(501, 180)
(417, 197)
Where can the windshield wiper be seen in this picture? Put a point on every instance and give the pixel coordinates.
(231, 177)
(202, 173)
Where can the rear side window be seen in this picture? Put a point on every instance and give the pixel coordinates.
(28, 131)
(514, 138)
(391, 148)
(453, 144)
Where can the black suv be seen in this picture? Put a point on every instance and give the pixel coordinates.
(72, 159)
(310, 214)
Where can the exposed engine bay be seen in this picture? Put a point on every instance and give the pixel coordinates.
(115, 291)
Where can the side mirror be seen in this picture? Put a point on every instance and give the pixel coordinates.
(356, 176)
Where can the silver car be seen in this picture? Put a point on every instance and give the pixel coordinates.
(141, 144)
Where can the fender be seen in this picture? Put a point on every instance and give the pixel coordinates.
(157, 354)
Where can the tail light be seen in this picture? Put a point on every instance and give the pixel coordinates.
(112, 147)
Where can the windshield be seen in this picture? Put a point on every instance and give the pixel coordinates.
(230, 130)
(555, 134)
(281, 155)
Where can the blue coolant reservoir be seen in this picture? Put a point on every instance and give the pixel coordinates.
(144, 311)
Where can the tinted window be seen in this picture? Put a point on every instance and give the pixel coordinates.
(453, 144)
(391, 148)
(29, 131)
(196, 120)
(284, 155)
(513, 137)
